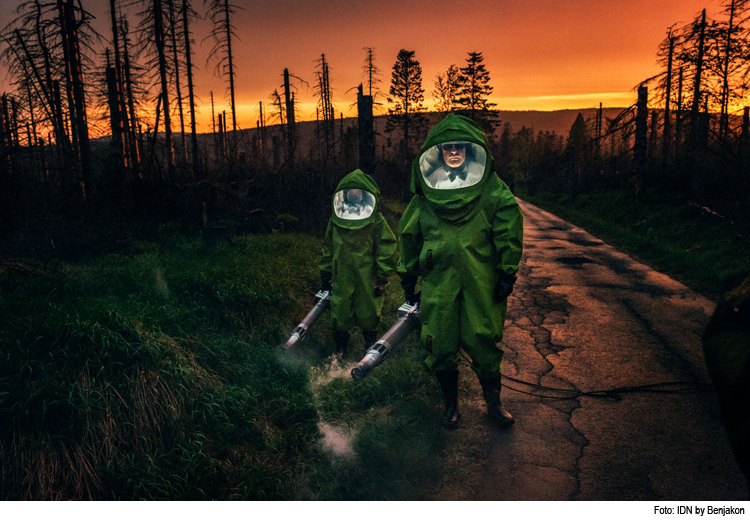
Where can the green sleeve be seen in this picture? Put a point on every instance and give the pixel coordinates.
(385, 249)
(410, 239)
(326, 261)
(507, 232)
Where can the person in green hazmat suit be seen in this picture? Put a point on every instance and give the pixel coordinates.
(463, 234)
(359, 253)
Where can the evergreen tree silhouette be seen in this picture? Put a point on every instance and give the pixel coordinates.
(475, 90)
(407, 98)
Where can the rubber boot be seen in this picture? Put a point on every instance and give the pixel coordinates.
(491, 390)
(448, 380)
(370, 338)
(341, 339)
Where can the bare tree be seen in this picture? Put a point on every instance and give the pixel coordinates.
(116, 96)
(447, 90)
(371, 73)
(173, 29)
(131, 86)
(153, 36)
(220, 12)
(46, 44)
(322, 90)
(187, 14)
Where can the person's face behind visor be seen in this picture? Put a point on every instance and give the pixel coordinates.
(452, 165)
(353, 204)
(454, 154)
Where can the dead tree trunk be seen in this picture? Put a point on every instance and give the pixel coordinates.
(230, 62)
(191, 96)
(224, 138)
(118, 118)
(152, 142)
(115, 112)
(66, 148)
(213, 125)
(75, 71)
(366, 133)
(598, 138)
(680, 115)
(724, 123)
(744, 142)
(14, 121)
(178, 88)
(262, 135)
(159, 36)
(667, 134)
(135, 139)
(6, 171)
(32, 117)
(641, 140)
(63, 18)
(695, 126)
(49, 96)
(325, 104)
(289, 119)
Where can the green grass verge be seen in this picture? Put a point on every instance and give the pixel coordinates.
(158, 375)
(682, 240)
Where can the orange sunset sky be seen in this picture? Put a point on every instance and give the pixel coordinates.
(541, 54)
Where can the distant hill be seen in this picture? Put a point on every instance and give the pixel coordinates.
(558, 121)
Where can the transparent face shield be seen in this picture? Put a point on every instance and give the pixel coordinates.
(353, 204)
(453, 165)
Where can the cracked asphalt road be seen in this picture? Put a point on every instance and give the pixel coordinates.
(586, 317)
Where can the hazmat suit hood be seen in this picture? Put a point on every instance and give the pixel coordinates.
(453, 194)
(367, 205)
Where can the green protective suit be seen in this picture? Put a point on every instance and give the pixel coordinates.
(458, 240)
(357, 252)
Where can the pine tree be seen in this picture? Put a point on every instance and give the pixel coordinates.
(475, 89)
(407, 98)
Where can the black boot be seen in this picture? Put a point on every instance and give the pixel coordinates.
(491, 389)
(341, 339)
(448, 380)
(370, 338)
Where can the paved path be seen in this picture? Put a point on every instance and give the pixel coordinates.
(586, 317)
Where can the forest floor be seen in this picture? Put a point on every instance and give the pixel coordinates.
(153, 365)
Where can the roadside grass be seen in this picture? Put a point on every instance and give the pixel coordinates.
(158, 375)
(679, 239)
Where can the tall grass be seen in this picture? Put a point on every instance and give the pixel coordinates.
(157, 375)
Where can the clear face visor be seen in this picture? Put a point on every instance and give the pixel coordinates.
(353, 204)
(453, 165)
